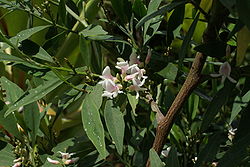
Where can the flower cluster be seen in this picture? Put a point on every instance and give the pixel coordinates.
(131, 74)
(65, 159)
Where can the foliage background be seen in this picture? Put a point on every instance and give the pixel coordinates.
(52, 53)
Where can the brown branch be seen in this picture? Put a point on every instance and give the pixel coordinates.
(215, 22)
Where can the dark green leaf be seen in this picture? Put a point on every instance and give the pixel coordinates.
(172, 158)
(243, 7)
(236, 153)
(62, 11)
(169, 72)
(122, 9)
(213, 49)
(137, 139)
(215, 105)
(208, 153)
(115, 124)
(139, 9)
(161, 11)
(63, 146)
(91, 120)
(86, 51)
(32, 119)
(155, 160)
(10, 122)
(187, 40)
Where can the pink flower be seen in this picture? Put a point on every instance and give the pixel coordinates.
(70, 161)
(111, 89)
(135, 72)
(147, 60)
(53, 161)
(123, 66)
(17, 164)
(225, 71)
(134, 59)
(106, 74)
(66, 155)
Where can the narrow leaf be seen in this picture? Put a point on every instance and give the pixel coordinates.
(91, 120)
(115, 124)
(243, 39)
(35, 94)
(133, 102)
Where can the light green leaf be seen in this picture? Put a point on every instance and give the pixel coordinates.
(91, 120)
(7, 57)
(7, 155)
(93, 30)
(169, 72)
(133, 102)
(32, 119)
(25, 34)
(238, 105)
(187, 40)
(35, 94)
(178, 134)
(243, 40)
(155, 160)
(152, 25)
(86, 51)
(115, 124)
(63, 146)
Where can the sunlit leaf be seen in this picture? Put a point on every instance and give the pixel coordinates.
(91, 120)
(115, 124)
(243, 40)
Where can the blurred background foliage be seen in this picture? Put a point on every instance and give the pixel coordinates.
(52, 53)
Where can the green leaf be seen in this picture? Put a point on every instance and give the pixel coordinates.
(161, 11)
(193, 104)
(10, 122)
(208, 153)
(243, 40)
(238, 105)
(155, 160)
(228, 3)
(115, 124)
(172, 158)
(63, 146)
(35, 94)
(32, 119)
(62, 11)
(85, 50)
(25, 34)
(7, 57)
(93, 30)
(236, 153)
(139, 8)
(7, 156)
(215, 49)
(243, 8)
(215, 105)
(187, 40)
(137, 139)
(91, 120)
(169, 72)
(133, 102)
(122, 9)
(178, 134)
(13, 92)
(151, 26)
(43, 55)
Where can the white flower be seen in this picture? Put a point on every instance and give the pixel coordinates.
(123, 66)
(166, 152)
(137, 86)
(53, 161)
(106, 74)
(135, 72)
(111, 89)
(225, 71)
(66, 155)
